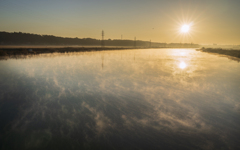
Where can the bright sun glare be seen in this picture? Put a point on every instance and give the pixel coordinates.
(182, 65)
(185, 28)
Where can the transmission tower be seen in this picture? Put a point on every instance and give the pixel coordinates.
(102, 43)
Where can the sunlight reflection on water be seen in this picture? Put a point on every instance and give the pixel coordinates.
(182, 65)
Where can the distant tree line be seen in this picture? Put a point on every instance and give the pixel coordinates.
(19, 38)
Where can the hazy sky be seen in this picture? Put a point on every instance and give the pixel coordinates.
(213, 21)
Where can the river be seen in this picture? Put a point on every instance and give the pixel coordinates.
(122, 99)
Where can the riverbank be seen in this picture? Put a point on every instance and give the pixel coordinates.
(39, 50)
(225, 52)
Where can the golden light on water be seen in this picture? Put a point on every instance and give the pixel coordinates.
(182, 65)
(182, 53)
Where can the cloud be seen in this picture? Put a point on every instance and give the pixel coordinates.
(101, 121)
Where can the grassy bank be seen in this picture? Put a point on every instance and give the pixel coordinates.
(226, 52)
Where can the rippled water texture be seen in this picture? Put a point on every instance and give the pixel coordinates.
(129, 99)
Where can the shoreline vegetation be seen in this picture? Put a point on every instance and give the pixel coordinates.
(232, 54)
(19, 38)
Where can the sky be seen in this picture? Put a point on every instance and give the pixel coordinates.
(211, 21)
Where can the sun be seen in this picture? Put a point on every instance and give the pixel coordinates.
(185, 28)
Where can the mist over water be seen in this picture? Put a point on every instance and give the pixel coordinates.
(128, 99)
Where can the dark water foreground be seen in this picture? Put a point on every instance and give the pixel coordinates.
(132, 99)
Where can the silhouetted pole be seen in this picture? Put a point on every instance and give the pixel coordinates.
(102, 39)
(135, 42)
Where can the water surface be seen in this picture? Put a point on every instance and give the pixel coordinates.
(128, 99)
